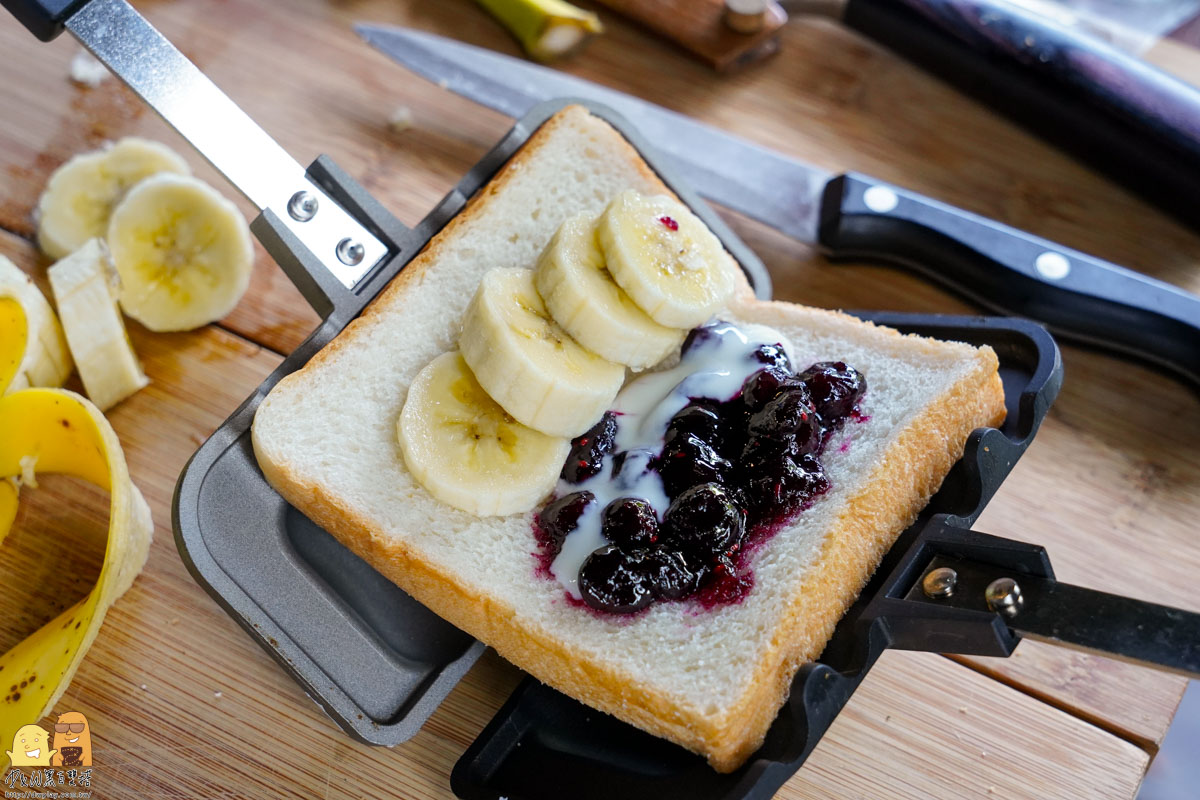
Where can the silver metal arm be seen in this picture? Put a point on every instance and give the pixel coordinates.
(225, 135)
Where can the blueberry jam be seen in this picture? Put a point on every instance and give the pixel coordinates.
(693, 468)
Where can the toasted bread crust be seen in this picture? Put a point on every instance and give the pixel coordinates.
(899, 487)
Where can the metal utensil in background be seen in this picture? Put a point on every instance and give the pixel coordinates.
(1035, 61)
(853, 216)
(1124, 118)
(1133, 27)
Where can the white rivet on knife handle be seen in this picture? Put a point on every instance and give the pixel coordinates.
(880, 199)
(1053, 266)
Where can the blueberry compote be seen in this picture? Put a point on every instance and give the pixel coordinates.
(693, 466)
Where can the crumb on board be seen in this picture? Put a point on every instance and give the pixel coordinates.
(87, 71)
(28, 466)
(400, 120)
(142, 687)
(217, 695)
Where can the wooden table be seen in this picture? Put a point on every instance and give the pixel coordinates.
(183, 704)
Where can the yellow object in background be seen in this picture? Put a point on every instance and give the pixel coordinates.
(546, 29)
(57, 431)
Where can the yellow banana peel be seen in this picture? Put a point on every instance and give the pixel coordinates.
(58, 431)
(546, 29)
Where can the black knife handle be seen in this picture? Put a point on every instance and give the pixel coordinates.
(1121, 116)
(1001, 268)
(44, 18)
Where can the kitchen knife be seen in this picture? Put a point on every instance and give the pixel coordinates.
(852, 216)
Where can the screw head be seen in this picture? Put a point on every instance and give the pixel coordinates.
(350, 252)
(939, 583)
(303, 206)
(1003, 596)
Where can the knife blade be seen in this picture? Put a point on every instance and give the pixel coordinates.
(853, 216)
(767, 186)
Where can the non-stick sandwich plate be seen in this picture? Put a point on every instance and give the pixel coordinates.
(379, 663)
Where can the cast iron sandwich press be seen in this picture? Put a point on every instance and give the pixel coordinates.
(379, 663)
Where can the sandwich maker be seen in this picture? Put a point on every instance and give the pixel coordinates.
(379, 663)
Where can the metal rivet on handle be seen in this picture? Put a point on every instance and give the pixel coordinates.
(1052, 266)
(939, 582)
(880, 199)
(350, 252)
(303, 206)
(1003, 596)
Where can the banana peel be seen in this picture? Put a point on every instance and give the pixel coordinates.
(58, 431)
(546, 29)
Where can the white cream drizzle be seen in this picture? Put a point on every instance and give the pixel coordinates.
(715, 369)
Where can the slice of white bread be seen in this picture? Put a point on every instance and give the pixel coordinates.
(712, 680)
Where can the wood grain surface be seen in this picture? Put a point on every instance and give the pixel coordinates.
(1110, 487)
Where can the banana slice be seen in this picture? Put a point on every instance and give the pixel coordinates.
(81, 194)
(183, 252)
(582, 297)
(668, 261)
(84, 288)
(46, 361)
(528, 364)
(467, 451)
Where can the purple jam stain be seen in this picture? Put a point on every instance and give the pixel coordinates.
(754, 467)
(725, 589)
(669, 223)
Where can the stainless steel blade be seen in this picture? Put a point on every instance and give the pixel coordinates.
(780, 191)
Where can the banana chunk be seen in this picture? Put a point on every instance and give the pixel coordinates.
(467, 451)
(84, 288)
(46, 360)
(528, 363)
(668, 261)
(81, 194)
(183, 253)
(581, 295)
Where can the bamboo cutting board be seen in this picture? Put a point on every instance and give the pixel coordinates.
(183, 704)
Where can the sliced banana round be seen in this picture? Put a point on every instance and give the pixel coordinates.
(467, 451)
(84, 286)
(668, 261)
(81, 194)
(46, 360)
(582, 297)
(528, 363)
(183, 253)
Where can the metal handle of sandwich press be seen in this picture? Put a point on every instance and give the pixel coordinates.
(224, 134)
(1047, 610)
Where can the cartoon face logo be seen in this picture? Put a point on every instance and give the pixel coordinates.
(72, 741)
(31, 747)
